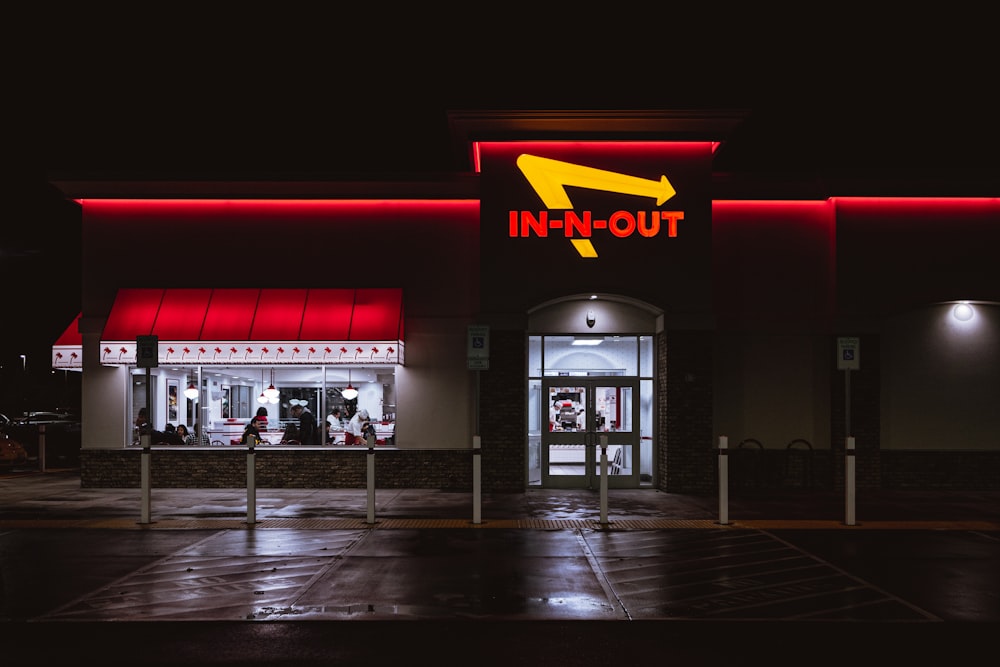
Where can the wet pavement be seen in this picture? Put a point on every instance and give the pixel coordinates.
(540, 578)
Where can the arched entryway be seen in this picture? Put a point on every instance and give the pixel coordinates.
(591, 372)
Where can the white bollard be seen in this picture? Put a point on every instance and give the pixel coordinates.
(145, 476)
(604, 480)
(849, 458)
(41, 447)
(477, 482)
(251, 487)
(723, 480)
(371, 479)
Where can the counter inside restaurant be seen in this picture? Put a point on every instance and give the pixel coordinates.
(229, 432)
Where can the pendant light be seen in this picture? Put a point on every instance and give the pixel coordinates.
(271, 392)
(350, 393)
(191, 392)
(262, 398)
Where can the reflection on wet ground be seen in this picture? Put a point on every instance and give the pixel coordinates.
(73, 559)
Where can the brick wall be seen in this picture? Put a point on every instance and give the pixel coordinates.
(502, 389)
(226, 467)
(940, 470)
(687, 457)
(749, 469)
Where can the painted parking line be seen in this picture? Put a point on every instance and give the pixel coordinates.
(746, 575)
(686, 574)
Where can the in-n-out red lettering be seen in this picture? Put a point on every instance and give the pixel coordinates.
(672, 217)
(574, 223)
(621, 224)
(529, 223)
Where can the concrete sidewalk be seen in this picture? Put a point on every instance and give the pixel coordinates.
(57, 497)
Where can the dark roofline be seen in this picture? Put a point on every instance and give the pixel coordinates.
(468, 126)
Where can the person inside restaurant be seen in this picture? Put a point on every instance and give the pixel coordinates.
(308, 433)
(357, 428)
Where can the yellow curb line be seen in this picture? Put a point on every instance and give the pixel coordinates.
(529, 524)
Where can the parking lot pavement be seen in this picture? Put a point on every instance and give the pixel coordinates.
(497, 597)
(661, 579)
(527, 574)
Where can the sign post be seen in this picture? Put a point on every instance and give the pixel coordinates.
(848, 359)
(479, 347)
(479, 360)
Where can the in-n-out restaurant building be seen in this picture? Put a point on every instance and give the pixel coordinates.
(583, 278)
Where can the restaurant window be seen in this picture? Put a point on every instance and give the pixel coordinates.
(230, 395)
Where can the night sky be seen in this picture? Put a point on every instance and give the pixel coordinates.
(354, 92)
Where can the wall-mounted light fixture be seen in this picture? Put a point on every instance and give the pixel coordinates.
(591, 319)
(963, 312)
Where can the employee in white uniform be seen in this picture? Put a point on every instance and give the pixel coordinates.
(355, 434)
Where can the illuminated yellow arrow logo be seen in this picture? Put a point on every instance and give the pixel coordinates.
(549, 179)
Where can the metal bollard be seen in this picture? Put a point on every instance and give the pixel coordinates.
(849, 459)
(371, 479)
(723, 480)
(41, 447)
(477, 485)
(146, 476)
(604, 480)
(251, 484)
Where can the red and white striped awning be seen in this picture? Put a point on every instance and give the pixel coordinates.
(257, 326)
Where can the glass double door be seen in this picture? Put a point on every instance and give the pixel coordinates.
(587, 417)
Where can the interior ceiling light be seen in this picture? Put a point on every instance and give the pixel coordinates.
(587, 341)
(191, 392)
(350, 393)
